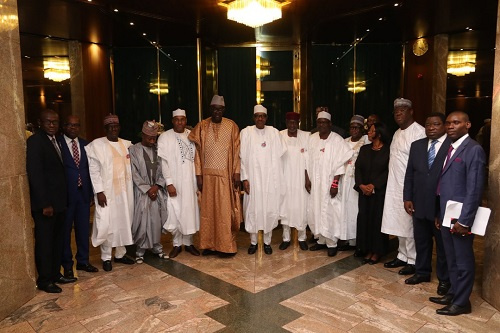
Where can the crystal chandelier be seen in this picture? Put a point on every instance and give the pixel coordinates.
(56, 69)
(461, 63)
(254, 13)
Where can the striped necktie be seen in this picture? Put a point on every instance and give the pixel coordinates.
(432, 153)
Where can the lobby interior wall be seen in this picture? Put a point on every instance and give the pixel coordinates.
(378, 65)
(136, 70)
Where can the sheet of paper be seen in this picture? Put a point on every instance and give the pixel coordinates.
(453, 209)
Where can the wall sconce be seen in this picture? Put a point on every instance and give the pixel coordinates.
(158, 88)
(461, 63)
(262, 67)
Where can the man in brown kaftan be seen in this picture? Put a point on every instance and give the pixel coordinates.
(217, 165)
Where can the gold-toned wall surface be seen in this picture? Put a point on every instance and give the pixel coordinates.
(17, 275)
(491, 274)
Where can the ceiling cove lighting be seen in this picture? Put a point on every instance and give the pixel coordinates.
(254, 13)
(56, 69)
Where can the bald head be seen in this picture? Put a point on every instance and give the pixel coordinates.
(461, 114)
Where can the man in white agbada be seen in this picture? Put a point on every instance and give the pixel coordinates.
(177, 162)
(262, 176)
(150, 197)
(294, 167)
(395, 220)
(327, 154)
(109, 166)
(348, 195)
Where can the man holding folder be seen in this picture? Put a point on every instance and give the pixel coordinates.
(461, 180)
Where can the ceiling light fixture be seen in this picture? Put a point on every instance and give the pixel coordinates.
(254, 13)
(461, 63)
(56, 69)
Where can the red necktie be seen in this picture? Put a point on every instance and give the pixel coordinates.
(76, 158)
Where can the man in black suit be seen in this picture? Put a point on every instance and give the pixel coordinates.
(79, 197)
(47, 183)
(462, 180)
(419, 194)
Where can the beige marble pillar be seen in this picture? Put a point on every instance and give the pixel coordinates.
(439, 77)
(17, 277)
(491, 269)
(77, 84)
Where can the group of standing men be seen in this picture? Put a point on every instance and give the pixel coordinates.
(189, 181)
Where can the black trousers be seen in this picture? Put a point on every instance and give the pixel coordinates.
(48, 246)
(424, 231)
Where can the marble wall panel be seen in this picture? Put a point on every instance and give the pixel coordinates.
(17, 276)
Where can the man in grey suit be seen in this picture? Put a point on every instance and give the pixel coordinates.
(419, 194)
(462, 180)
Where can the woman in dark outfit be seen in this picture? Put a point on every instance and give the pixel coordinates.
(371, 171)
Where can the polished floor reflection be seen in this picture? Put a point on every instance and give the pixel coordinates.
(291, 290)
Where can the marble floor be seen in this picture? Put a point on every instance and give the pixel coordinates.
(291, 290)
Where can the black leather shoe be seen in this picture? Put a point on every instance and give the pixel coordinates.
(303, 245)
(443, 288)
(284, 245)
(407, 270)
(373, 262)
(317, 247)
(416, 279)
(106, 265)
(226, 254)
(68, 273)
(64, 280)
(395, 263)
(359, 253)
(87, 268)
(268, 249)
(346, 247)
(366, 260)
(454, 310)
(208, 252)
(125, 260)
(252, 249)
(444, 300)
(175, 252)
(51, 289)
(191, 249)
(332, 251)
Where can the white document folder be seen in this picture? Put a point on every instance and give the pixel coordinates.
(453, 210)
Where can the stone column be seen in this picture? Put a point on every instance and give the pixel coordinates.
(439, 77)
(77, 84)
(17, 279)
(491, 269)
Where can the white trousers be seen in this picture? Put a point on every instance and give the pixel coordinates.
(406, 250)
(180, 239)
(106, 252)
(286, 234)
(157, 248)
(267, 238)
(329, 242)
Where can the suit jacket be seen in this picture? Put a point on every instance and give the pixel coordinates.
(462, 180)
(46, 176)
(72, 171)
(420, 182)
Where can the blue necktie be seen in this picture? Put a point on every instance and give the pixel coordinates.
(432, 153)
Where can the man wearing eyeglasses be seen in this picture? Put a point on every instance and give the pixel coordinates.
(79, 198)
(47, 183)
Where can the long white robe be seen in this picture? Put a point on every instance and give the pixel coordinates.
(395, 220)
(326, 160)
(348, 194)
(178, 169)
(294, 166)
(261, 152)
(112, 223)
(149, 215)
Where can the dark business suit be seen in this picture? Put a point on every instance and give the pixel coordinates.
(462, 180)
(79, 199)
(47, 183)
(420, 187)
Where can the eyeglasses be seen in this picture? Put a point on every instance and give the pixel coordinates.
(72, 125)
